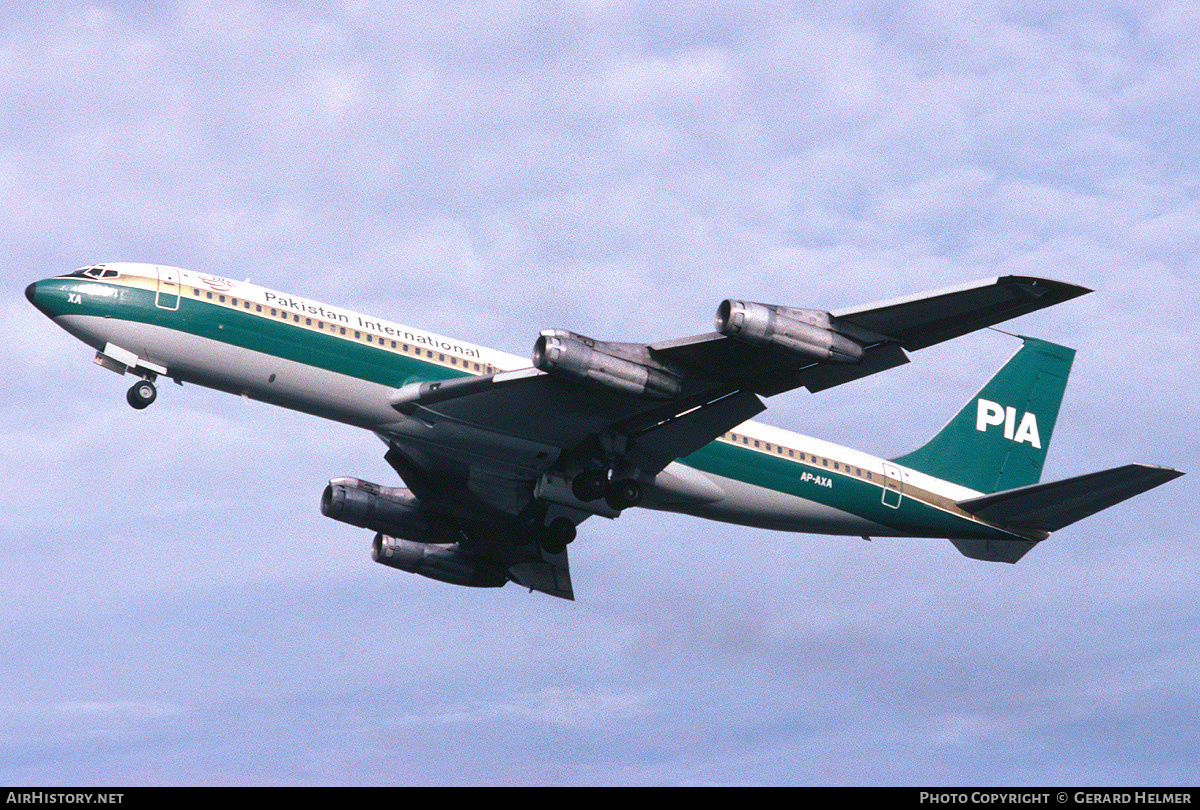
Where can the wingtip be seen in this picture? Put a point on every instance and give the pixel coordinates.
(1039, 287)
(1167, 473)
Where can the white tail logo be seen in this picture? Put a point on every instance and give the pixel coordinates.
(992, 413)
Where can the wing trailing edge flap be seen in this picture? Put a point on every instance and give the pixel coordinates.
(550, 575)
(1055, 504)
(880, 357)
(534, 404)
(651, 450)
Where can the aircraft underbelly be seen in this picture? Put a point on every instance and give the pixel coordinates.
(214, 364)
(299, 386)
(751, 505)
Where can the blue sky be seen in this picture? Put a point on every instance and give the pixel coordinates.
(178, 611)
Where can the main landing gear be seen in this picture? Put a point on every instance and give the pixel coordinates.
(141, 394)
(619, 493)
(553, 537)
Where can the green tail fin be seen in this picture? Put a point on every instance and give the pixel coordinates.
(999, 440)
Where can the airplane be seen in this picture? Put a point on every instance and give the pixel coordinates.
(502, 458)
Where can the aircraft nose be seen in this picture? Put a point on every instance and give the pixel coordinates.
(31, 292)
(37, 295)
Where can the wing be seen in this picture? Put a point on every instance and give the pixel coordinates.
(653, 404)
(574, 435)
(885, 331)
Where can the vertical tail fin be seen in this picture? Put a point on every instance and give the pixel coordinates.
(999, 439)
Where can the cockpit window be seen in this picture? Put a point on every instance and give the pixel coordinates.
(95, 271)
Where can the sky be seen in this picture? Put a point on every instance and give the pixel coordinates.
(176, 609)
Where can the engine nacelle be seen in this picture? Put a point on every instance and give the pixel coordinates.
(585, 360)
(392, 510)
(804, 333)
(441, 562)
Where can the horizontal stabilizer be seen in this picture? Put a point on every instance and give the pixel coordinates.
(1050, 506)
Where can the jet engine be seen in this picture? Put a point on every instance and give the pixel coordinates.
(607, 365)
(445, 563)
(393, 511)
(804, 333)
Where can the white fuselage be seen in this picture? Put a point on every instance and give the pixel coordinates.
(812, 486)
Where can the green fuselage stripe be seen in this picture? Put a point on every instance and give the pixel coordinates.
(838, 489)
(258, 332)
(283, 337)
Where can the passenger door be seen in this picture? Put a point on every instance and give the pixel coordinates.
(167, 296)
(891, 485)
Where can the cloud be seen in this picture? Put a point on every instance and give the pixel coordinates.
(490, 169)
(555, 706)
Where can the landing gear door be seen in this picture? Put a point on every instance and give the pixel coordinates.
(167, 296)
(891, 485)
